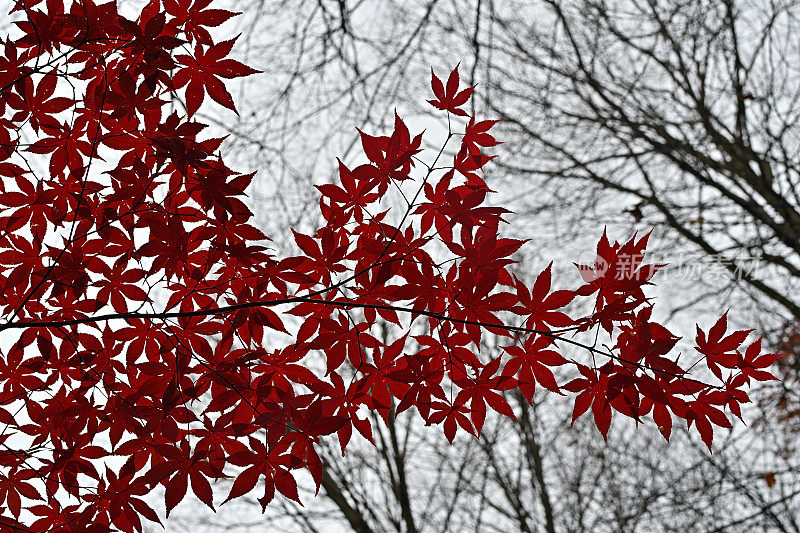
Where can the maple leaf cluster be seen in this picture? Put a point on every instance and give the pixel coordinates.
(146, 320)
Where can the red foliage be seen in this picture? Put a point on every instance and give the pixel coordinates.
(144, 321)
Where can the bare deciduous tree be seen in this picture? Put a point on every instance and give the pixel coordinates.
(684, 112)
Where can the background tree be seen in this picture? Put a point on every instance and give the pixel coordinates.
(683, 109)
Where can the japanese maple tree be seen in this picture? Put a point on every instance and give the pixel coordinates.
(151, 339)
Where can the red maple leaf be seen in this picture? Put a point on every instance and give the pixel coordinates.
(202, 72)
(449, 98)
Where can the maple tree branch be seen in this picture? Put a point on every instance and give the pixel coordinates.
(555, 334)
